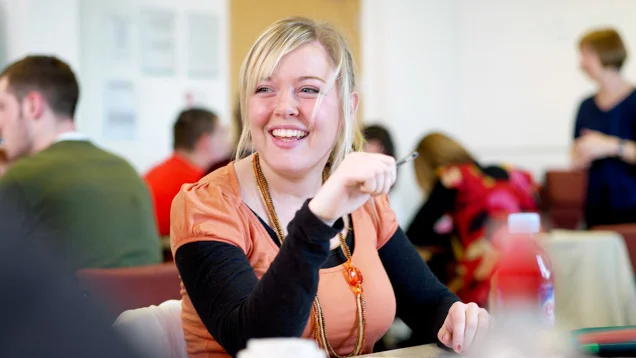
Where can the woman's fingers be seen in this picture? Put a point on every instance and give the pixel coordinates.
(368, 186)
(482, 328)
(472, 325)
(381, 180)
(376, 174)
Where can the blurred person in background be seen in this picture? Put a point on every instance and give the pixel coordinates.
(44, 311)
(199, 140)
(237, 128)
(378, 140)
(89, 205)
(463, 199)
(605, 130)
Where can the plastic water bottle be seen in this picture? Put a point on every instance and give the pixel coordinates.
(522, 298)
(523, 280)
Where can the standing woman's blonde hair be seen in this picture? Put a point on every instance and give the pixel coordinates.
(437, 150)
(608, 45)
(283, 37)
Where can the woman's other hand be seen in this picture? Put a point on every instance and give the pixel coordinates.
(359, 176)
(466, 325)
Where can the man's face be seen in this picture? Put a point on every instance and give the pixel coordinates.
(219, 143)
(374, 146)
(15, 131)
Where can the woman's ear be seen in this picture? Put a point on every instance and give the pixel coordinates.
(355, 100)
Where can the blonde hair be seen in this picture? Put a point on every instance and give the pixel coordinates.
(436, 150)
(278, 40)
(608, 45)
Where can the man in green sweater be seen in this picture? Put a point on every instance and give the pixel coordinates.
(89, 205)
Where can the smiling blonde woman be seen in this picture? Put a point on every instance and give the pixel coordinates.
(299, 239)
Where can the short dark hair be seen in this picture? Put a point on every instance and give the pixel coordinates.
(608, 45)
(382, 135)
(191, 125)
(50, 76)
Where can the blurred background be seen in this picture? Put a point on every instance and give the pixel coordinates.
(502, 77)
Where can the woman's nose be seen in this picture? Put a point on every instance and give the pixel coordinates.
(287, 105)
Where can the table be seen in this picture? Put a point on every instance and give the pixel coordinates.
(594, 281)
(425, 351)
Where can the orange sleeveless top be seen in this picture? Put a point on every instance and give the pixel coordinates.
(212, 210)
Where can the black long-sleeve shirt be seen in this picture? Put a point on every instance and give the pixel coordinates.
(235, 306)
(421, 231)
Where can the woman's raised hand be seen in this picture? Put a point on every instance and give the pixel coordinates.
(359, 176)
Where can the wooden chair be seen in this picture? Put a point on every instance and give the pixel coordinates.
(128, 288)
(563, 197)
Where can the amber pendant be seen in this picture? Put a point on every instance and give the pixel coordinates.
(354, 277)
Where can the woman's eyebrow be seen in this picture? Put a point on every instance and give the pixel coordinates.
(304, 78)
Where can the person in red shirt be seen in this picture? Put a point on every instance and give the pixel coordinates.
(200, 140)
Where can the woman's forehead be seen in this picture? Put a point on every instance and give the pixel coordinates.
(308, 61)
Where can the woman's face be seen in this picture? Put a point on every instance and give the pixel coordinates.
(281, 108)
(591, 63)
(373, 146)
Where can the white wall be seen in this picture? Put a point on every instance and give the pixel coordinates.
(160, 97)
(11, 27)
(502, 76)
(75, 31)
(409, 77)
(40, 26)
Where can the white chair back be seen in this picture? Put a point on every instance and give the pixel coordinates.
(155, 331)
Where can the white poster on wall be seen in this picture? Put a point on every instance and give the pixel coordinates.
(203, 45)
(120, 111)
(117, 49)
(158, 41)
(196, 97)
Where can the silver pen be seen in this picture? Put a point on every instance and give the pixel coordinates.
(406, 159)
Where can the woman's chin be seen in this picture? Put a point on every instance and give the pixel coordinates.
(291, 164)
(291, 169)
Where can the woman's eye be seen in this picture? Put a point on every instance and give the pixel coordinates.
(262, 90)
(309, 90)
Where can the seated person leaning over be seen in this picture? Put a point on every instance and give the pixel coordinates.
(262, 245)
(199, 140)
(89, 205)
(476, 198)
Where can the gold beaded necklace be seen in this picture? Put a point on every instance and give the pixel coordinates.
(352, 274)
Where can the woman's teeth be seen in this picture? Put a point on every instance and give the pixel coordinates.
(289, 133)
